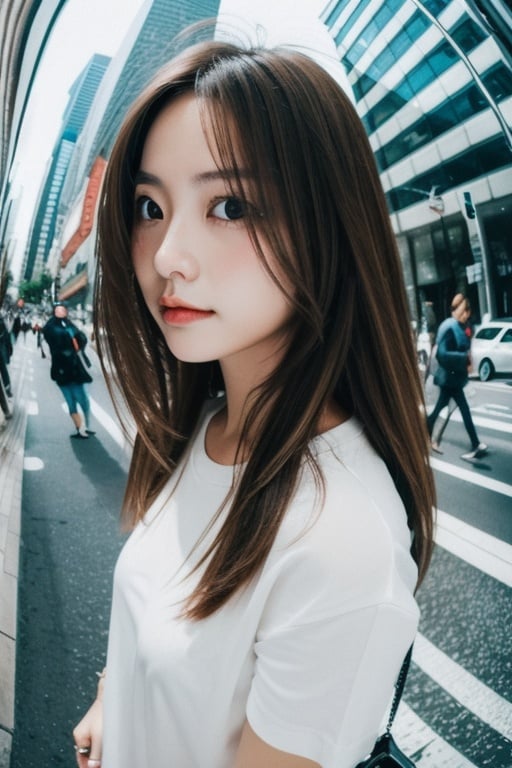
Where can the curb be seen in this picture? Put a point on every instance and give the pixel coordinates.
(12, 442)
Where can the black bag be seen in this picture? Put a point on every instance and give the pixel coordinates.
(451, 379)
(386, 754)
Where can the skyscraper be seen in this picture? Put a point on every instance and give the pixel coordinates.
(150, 42)
(154, 45)
(81, 96)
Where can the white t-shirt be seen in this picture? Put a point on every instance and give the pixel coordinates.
(308, 652)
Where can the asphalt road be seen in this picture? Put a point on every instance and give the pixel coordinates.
(457, 708)
(72, 492)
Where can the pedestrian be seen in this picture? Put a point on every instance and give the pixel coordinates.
(69, 366)
(5, 356)
(453, 344)
(38, 330)
(16, 328)
(279, 492)
(25, 327)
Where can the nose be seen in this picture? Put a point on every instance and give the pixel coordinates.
(175, 254)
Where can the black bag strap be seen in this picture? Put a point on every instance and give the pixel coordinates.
(399, 688)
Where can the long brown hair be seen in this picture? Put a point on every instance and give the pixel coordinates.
(322, 211)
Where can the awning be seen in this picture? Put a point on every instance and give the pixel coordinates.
(77, 283)
(88, 209)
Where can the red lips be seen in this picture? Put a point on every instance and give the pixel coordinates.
(178, 312)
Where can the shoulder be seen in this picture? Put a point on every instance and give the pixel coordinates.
(447, 325)
(349, 547)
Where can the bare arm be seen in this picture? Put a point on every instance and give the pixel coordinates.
(253, 752)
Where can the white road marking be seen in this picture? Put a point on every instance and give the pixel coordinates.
(32, 408)
(493, 407)
(110, 425)
(32, 463)
(482, 421)
(485, 552)
(487, 705)
(415, 737)
(471, 477)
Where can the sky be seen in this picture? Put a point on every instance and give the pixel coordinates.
(76, 36)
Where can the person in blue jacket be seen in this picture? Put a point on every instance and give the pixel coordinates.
(453, 356)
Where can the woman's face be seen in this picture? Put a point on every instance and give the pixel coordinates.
(198, 270)
(60, 311)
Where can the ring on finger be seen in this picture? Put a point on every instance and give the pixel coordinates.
(82, 750)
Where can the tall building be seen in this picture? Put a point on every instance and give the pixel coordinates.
(25, 26)
(81, 96)
(150, 42)
(434, 90)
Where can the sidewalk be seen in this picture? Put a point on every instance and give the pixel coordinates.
(12, 441)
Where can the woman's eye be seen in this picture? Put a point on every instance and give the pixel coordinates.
(147, 209)
(229, 209)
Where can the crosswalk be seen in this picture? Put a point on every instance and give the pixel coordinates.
(492, 557)
(441, 687)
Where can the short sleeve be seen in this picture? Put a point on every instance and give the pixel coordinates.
(340, 616)
(321, 690)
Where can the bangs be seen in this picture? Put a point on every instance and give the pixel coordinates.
(234, 124)
(249, 125)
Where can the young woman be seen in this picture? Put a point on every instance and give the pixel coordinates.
(279, 490)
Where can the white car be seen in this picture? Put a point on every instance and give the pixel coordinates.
(491, 349)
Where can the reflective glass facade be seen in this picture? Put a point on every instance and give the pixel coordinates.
(433, 87)
(45, 219)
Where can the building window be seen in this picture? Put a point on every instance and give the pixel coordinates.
(465, 33)
(479, 160)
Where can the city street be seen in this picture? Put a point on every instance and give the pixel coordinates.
(457, 707)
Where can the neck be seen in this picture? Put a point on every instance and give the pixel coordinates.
(225, 428)
(242, 375)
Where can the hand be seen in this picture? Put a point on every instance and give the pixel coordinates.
(88, 734)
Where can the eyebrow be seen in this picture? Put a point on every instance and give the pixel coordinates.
(142, 177)
(225, 174)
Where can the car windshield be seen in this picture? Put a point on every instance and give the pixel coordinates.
(487, 333)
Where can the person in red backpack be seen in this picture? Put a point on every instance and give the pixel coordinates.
(67, 344)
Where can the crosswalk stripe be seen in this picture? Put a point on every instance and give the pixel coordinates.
(471, 477)
(484, 422)
(423, 744)
(485, 552)
(476, 697)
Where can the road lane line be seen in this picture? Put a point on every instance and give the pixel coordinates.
(110, 425)
(482, 421)
(485, 552)
(423, 744)
(471, 477)
(476, 697)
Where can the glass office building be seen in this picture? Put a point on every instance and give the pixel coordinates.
(149, 43)
(433, 87)
(44, 230)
